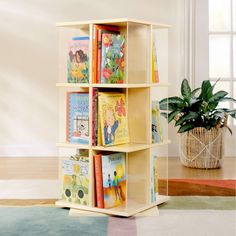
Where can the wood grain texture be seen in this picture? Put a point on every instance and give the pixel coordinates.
(28, 168)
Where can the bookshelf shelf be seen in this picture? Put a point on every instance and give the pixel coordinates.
(129, 147)
(71, 145)
(73, 85)
(138, 88)
(131, 209)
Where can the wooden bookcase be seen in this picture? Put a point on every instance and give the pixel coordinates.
(138, 87)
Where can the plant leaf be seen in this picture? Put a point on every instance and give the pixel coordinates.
(227, 99)
(232, 113)
(207, 89)
(185, 89)
(186, 127)
(172, 115)
(194, 92)
(164, 114)
(187, 117)
(217, 96)
(171, 103)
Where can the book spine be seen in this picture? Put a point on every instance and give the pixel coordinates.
(98, 180)
(93, 117)
(67, 116)
(99, 55)
(95, 49)
(156, 175)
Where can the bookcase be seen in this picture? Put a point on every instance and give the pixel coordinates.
(138, 88)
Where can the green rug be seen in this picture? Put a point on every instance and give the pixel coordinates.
(177, 217)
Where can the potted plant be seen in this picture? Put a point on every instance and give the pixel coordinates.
(201, 123)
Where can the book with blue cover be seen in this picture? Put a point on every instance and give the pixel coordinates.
(77, 118)
(114, 179)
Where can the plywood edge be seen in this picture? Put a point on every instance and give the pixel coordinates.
(111, 21)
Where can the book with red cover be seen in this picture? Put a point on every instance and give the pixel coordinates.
(98, 180)
(95, 46)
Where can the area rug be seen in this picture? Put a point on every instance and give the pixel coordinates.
(180, 216)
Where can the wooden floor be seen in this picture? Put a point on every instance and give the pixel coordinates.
(215, 182)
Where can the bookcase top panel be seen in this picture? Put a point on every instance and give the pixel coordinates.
(116, 21)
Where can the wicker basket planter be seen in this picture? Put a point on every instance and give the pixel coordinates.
(202, 148)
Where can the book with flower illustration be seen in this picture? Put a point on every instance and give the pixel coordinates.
(75, 179)
(112, 61)
(113, 179)
(113, 118)
(78, 60)
(77, 118)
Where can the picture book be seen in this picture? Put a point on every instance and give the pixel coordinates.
(97, 38)
(113, 118)
(114, 179)
(75, 178)
(113, 58)
(154, 179)
(98, 180)
(157, 136)
(77, 122)
(78, 60)
(155, 73)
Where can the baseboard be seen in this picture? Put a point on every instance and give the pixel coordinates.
(28, 168)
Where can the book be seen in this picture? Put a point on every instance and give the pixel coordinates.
(75, 178)
(114, 179)
(77, 119)
(154, 179)
(78, 60)
(113, 58)
(113, 118)
(99, 53)
(96, 42)
(155, 73)
(157, 135)
(98, 180)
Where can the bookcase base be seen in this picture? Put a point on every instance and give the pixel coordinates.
(132, 209)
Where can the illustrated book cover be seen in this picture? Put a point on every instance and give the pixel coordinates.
(75, 178)
(114, 179)
(155, 73)
(97, 41)
(77, 122)
(157, 136)
(78, 60)
(113, 118)
(113, 59)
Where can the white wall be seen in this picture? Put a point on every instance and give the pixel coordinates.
(28, 63)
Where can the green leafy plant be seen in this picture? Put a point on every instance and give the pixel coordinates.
(197, 108)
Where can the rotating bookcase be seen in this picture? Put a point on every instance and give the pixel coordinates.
(139, 90)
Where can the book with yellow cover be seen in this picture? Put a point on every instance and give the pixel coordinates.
(113, 118)
(155, 73)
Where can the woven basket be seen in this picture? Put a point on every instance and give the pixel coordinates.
(202, 148)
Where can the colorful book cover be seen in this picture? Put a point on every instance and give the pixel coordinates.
(155, 73)
(113, 118)
(77, 118)
(114, 179)
(96, 29)
(99, 54)
(112, 63)
(78, 60)
(157, 136)
(98, 180)
(75, 176)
